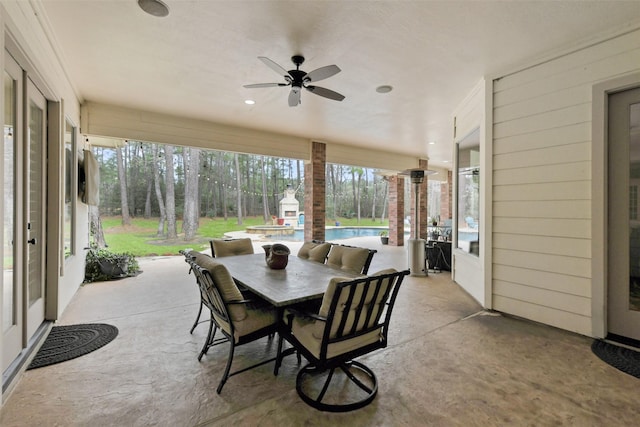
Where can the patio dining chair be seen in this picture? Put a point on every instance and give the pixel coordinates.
(240, 320)
(314, 251)
(230, 247)
(350, 258)
(353, 320)
(220, 248)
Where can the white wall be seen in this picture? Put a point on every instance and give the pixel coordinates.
(25, 35)
(469, 270)
(113, 121)
(542, 183)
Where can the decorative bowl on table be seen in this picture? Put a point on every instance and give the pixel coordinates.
(276, 256)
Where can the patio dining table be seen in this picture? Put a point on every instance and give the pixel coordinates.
(302, 280)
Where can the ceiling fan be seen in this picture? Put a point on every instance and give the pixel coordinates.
(299, 79)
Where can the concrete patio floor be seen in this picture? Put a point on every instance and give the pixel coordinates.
(449, 363)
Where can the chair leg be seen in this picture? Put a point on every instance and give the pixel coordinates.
(276, 368)
(366, 395)
(197, 318)
(225, 376)
(209, 340)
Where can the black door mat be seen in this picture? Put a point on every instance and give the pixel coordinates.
(622, 358)
(68, 342)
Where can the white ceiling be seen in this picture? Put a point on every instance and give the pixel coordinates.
(195, 61)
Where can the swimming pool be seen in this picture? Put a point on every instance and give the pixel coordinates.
(335, 233)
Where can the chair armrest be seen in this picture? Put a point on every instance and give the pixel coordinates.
(294, 312)
(242, 301)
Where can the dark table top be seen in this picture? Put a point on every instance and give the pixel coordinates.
(301, 280)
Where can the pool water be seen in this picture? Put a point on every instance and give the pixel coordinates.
(335, 233)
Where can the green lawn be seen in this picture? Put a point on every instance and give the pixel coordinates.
(140, 237)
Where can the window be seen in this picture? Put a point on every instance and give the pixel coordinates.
(468, 193)
(69, 189)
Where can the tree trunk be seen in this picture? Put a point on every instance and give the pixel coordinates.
(265, 200)
(124, 203)
(172, 228)
(239, 189)
(95, 224)
(156, 180)
(191, 211)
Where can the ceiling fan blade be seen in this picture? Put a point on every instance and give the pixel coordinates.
(275, 67)
(265, 85)
(294, 98)
(327, 93)
(322, 73)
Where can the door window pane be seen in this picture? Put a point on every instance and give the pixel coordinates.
(36, 144)
(69, 189)
(9, 291)
(634, 224)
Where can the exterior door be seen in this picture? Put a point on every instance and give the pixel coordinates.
(624, 215)
(35, 162)
(23, 283)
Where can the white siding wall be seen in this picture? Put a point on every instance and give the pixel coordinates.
(542, 201)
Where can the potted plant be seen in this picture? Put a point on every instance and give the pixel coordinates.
(102, 265)
(384, 237)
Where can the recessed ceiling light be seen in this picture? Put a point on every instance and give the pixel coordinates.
(249, 101)
(432, 142)
(154, 7)
(384, 89)
(445, 161)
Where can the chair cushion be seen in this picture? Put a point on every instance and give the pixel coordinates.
(222, 248)
(314, 251)
(328, 296)
(257, 318)
(225, 284)
(348, 259)
(305, 332)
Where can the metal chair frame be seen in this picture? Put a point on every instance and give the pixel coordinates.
(344, 361)
(218, 307)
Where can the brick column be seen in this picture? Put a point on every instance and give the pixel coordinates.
(446, 194)
(422, 164)
(396, 210)
(314, 193)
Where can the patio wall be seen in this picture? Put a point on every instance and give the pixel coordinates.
(542, 185)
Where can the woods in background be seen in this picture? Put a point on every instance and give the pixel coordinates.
(148, 180)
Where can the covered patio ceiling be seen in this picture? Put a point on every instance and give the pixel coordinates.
(195, 61)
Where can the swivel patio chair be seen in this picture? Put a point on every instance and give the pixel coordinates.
(352, 321)
(239, 320)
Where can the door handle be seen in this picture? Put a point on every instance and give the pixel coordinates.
(32, 241)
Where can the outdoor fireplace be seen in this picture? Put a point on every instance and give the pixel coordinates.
(290, 207)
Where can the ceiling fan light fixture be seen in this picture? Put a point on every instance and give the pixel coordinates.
(154, 7)
(384, 89)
